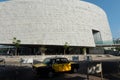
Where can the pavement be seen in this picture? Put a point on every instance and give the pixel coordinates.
(26, 73)
(12, 69)
(15, 71)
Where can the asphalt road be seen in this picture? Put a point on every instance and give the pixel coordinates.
(15, 71)
(26, 73)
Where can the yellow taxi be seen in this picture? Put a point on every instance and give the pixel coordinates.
(50, 66)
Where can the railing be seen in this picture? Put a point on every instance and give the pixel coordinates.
(107, 43)
(104, 42)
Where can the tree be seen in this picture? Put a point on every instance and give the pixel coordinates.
(65, 47)
(43, 49)
(16, 44)
(117, 48)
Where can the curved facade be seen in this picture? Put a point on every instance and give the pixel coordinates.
(53, 22)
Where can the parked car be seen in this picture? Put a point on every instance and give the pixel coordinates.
(50, 66)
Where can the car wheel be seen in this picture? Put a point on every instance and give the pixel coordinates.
(35, 72)
(50, 74)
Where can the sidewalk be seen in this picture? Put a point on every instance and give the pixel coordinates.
(80, 57)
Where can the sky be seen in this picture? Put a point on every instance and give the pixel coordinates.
(112, 9)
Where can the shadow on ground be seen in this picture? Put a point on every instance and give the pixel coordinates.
(25, 73)
(16, 73)
(12, 72)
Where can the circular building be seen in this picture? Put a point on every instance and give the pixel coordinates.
(53, 23)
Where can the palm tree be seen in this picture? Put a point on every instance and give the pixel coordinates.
(16, 44)
(65, 47)
(42, 50)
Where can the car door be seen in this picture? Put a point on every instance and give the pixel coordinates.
(62, 65)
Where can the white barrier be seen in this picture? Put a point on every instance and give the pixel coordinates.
(27, 60)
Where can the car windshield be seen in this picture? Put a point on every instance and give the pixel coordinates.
(47, 61)
(57, 60)
(64, 60)
(61, 60)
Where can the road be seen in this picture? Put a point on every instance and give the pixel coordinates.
(26, 73)
(15, 71)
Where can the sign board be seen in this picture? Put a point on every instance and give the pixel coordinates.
(75, 58)
(96, 68)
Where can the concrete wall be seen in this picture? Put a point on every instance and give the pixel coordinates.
(96, 50)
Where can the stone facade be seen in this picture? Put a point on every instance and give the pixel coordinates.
(52, 22)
